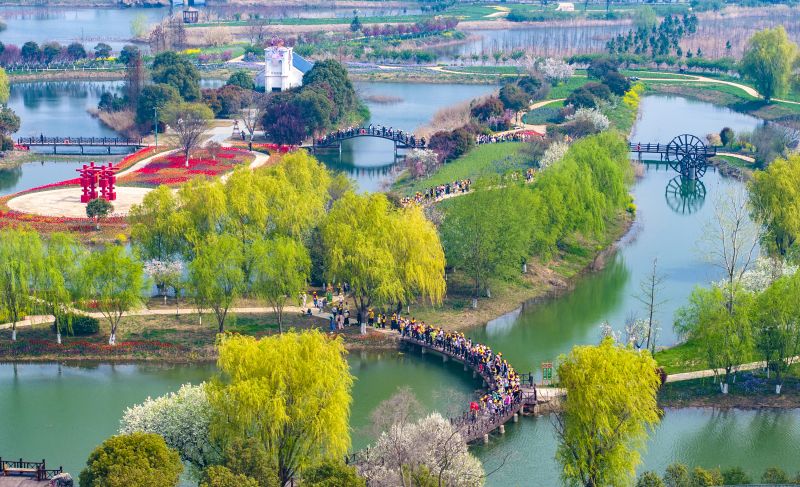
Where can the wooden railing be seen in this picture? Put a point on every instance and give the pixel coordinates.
(88, 141)
(37, 470)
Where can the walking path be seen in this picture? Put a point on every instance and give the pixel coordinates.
(737, 156)
(698, 374)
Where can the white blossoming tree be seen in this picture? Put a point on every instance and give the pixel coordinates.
(555, 70)
(764, 272)
(431, 446)
(553, 154)
(165, 274)
(592, 116)
(182, 418)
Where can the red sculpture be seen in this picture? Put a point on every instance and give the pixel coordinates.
(92, 176)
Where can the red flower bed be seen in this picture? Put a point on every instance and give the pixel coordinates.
(171, 169)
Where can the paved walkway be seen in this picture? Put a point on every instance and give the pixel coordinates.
(698, 374)
(47, 319)
(737, 156)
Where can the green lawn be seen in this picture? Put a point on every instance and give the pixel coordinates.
(500, 70)
(735, 161)
(687, 357)
(564, 89)
(483, 159)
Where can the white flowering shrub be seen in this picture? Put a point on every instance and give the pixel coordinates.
(763, 273)
(590, 116)
(164, 274)
(182, 418)
(421, 162)
(432, 444)
(555, 70)
(553, 154)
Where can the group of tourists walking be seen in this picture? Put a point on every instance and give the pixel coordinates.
(404, 137)
(437, 193)
(505, 391)
(507, 137)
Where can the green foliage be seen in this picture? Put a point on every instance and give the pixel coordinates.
(102, 50)
(387, 255)
(677, 475)
(332, 474)
(154, 229)
(248, 457)
(21, 258)
(611, 404)
(280, 270)
(5, 87)
(82, 325)
(735, 476)
(9, 120)
(514, 97)
(99, 208)
(128, 53)
(649, 479)
(727, 136)
(768, 61)
(242, 79)
(215, 275)
(775, 203)
(114, 282)
(452, 144)
(177, 71)
(135, 459)
(152, 97)
(774, 475)
(220, 476)
(290, 393)
(705, 478)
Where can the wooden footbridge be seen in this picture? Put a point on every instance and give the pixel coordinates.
(23, 469)
(479, 428)
(80, 142)
(401, 139)
(685, 154)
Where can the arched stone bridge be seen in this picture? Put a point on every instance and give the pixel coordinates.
(400, 138)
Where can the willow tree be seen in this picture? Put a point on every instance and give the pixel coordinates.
(20, 265)
(60, 280)
(154, 232)
(775, 202)
(215, 276)
(366, 244)
(290, 392)
(610, 405)
(115, 282)
(280, 270)
(768, 61)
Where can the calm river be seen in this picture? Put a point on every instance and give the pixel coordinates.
(61, 412)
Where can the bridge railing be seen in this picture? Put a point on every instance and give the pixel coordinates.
(35, 469)
(404, 138)
(97, 141)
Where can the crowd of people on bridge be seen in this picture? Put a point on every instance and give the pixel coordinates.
(505, 390)
(437, 193)
(401, 136)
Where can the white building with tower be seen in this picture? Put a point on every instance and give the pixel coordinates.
(283, 68)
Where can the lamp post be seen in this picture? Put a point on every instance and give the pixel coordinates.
(155, 117)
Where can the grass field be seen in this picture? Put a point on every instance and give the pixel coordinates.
(483, 159)
(499, 70)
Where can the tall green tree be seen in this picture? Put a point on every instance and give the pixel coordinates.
(776, 319)
(154, 228)
(21, 260)
(201, 213)
(281, 268)
(5, 87)
(484, 234)
(115, 283)
(154, 98)
(9, 120)
(775, 203)
(717, 320)
(134, 459)
(177, 71)
(610, 405)
(768, 61)
(364, 246)
(60, 282)
(242, 79)
(290, 393)
(215, 276)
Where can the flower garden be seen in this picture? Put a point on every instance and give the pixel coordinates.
(167, 170)
(171, 169)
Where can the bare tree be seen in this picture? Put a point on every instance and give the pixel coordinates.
(134, 79)
(254, 105)
(189, 121)
(402, 407)
(257, 32)
(649, 289)
(731, 239)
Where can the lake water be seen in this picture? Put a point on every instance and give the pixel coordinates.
(369, 161)
(66, 24)
(61, 413)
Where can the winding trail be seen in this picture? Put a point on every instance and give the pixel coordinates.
(698, 374)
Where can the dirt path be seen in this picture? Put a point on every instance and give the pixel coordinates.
(737, 156)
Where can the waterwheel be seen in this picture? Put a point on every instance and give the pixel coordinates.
(685, 196)
(686, 154)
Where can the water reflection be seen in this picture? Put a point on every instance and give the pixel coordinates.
(685, 196)
(9, 178)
